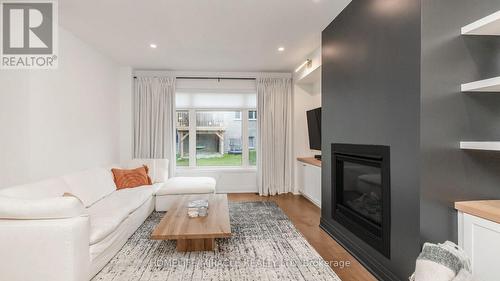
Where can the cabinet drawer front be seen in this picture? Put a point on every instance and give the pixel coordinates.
(482, 243)
(309, 178)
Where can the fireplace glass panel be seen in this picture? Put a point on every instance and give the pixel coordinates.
(362, 190)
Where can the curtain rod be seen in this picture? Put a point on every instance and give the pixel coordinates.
(213, 78)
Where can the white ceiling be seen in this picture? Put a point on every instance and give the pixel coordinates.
(203, 35)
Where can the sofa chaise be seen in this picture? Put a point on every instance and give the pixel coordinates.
(67, 228)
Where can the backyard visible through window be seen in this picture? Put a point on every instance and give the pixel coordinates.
(216, 123)
(252, 137)
(182, 138)
(219, 138)
(252, 115)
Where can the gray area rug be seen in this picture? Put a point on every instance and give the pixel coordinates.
(265, 246)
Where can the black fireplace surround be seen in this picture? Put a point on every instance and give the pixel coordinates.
(361, 192)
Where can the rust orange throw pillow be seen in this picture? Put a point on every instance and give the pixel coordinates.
(131, 178)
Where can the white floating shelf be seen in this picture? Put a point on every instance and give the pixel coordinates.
(487, 85)
(480, 145)
(313, 76)
(489, 25)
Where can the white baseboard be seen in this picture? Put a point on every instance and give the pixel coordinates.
(314, 201)
(237, 190)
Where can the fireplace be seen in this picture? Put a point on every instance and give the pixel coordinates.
(361, 192)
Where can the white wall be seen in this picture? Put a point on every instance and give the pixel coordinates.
(126, 109)
(229, 180)
(304, 101)
(306, 96)
(54, 122)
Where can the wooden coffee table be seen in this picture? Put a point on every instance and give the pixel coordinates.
(195, 234)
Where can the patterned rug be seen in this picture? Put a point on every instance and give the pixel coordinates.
(265, 246)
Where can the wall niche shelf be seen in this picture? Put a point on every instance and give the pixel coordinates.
(487, 85)
(309, 80)
(480, 145)
(313, 76)
(489, 25)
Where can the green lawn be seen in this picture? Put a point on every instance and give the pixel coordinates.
(252, 157)
(226, 160)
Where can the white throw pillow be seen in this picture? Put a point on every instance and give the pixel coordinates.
(91, 185)
(158, 168)
(53, 187)
(161, 171)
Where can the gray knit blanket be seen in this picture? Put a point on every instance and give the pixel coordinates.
(442, 262)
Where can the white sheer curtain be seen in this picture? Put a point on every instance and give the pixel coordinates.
(274, 159)
(154, 119)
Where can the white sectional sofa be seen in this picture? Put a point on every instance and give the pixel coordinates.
(47, 236)
(178, 186)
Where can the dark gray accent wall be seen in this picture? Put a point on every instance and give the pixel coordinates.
(371, 95)
(449, 59)
(391, 76)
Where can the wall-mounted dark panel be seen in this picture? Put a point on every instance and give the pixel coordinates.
(371, 95)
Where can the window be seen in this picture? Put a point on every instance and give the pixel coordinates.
(237, 115)
(218, 138)
(182, 138)
(252, 115)
(217, 124)
(252, 138)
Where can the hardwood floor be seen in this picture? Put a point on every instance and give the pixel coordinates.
(305, 216)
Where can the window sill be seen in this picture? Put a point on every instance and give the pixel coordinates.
(217, 169)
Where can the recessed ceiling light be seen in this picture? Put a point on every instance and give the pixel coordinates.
(153, 46)
(281, 49)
